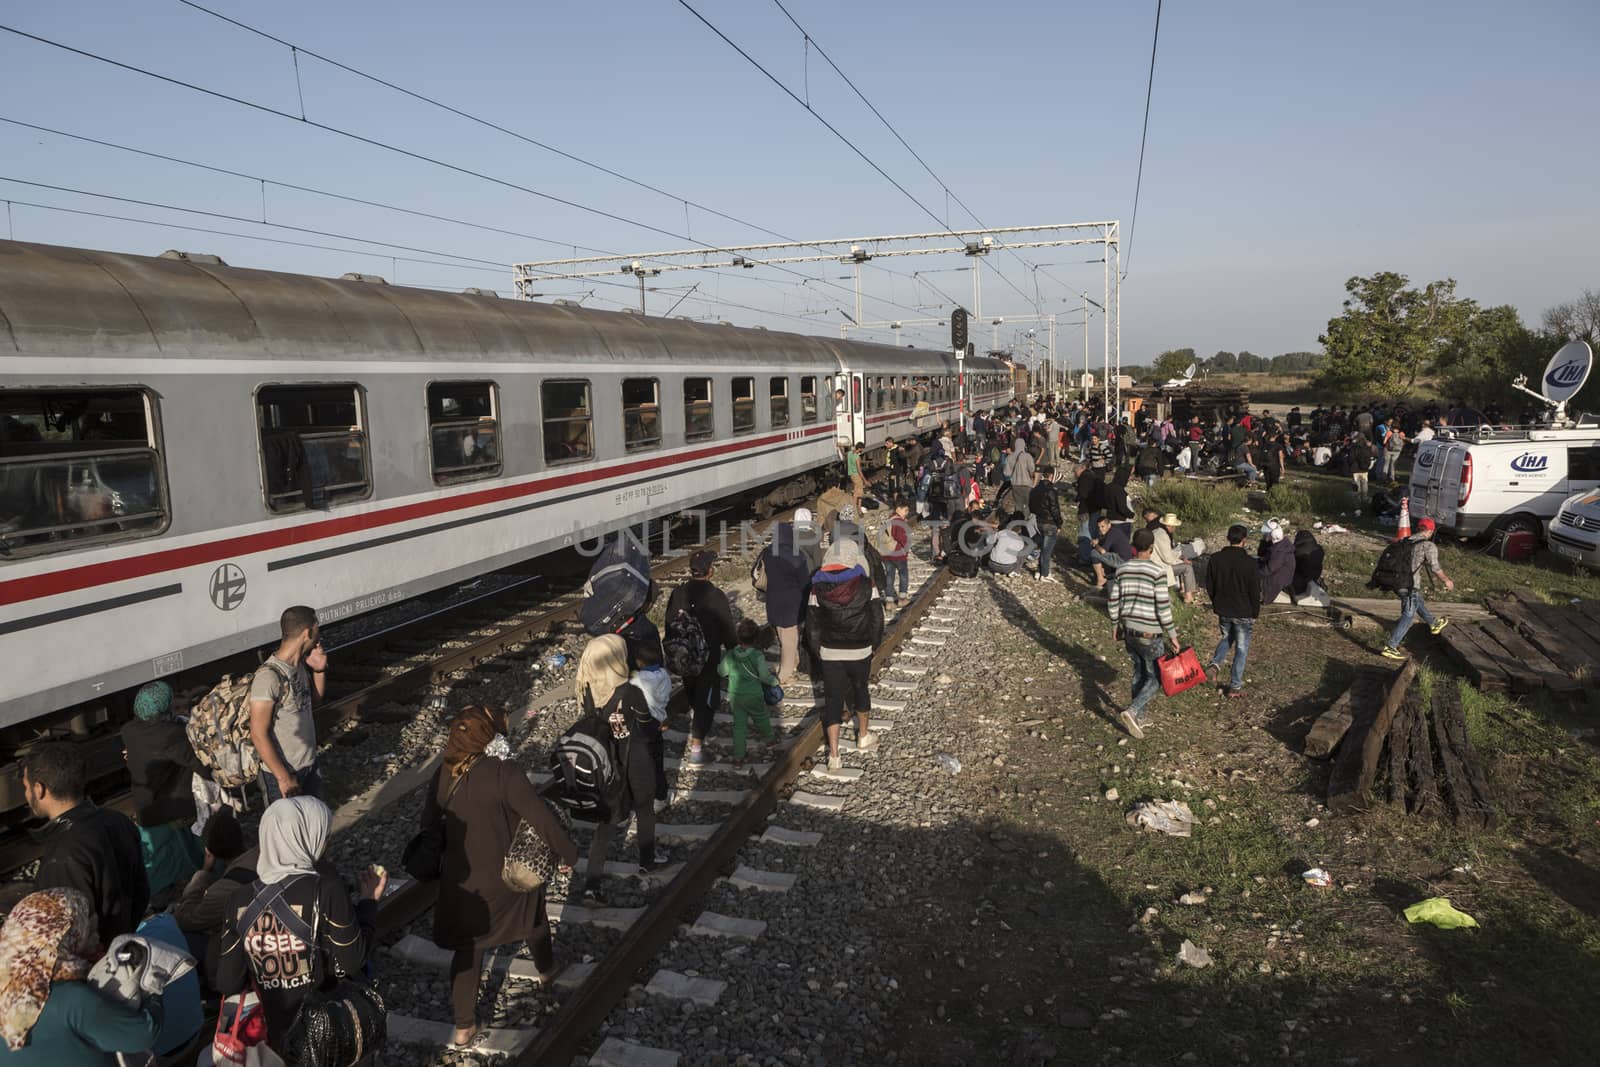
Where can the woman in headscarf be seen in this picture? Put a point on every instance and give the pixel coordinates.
(1307, 565)
(300, 932)
(603, 679)
(1277, 561)
(485, 798)
(48, 1014)
(161, 763)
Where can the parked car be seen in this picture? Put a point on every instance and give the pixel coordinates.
(1575, 532)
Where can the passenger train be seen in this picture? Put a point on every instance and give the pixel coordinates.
(186, 448)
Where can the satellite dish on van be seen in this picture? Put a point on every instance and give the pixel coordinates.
(1566, 372)
(1190, 372)
(1179, 383)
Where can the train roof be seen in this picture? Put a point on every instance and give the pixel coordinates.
(63, 301)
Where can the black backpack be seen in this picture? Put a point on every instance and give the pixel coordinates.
(1395, 567)
(587, 764)
(683, 648)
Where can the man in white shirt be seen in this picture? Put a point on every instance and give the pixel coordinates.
(1008, 551)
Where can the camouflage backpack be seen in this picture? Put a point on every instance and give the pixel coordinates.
(219, 730)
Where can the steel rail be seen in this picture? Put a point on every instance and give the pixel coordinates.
(587, 1007)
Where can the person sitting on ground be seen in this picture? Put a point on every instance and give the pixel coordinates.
(485, 798)
(1307, 568)
(298, 933)
(1008, 551)
(1180, 572)
(161, 764)
(229, 862)
(844, 624)
(1110, 548)
(1277, 561)
(49, 1015)
(86, 847)
(747, 674)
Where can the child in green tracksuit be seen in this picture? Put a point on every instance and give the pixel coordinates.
(747, 672)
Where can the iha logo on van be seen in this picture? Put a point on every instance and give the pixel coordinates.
(1566, 375)
(1426, 459)
(1529, 463)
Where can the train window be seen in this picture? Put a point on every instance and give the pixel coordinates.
(744, 405)
(463, 430)
(697, 409)
(808, 398)
(75, 465)
(568, 421)
(881, 393)
(313, 445)
(778, 392)
(641, 413)
(870, 386)
(903, 394)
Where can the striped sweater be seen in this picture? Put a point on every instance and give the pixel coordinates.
(1139, 598)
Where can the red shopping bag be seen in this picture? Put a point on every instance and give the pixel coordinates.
(1180, 671)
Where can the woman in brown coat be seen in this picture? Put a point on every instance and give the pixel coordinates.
(485, 799)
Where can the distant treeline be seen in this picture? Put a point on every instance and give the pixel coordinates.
(1173, 362)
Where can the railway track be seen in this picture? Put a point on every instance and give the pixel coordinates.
(594, 990)
(388, 665)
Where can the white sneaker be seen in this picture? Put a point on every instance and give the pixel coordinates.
(835, 763)
(867, 742)
(1050, 578)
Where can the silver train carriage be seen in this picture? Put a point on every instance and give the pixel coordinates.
(186, 448)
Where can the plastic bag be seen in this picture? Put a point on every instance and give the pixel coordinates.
(1440, 912)
(1166, 816)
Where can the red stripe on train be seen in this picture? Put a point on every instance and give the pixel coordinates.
(94, 574)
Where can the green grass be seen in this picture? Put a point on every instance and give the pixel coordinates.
(1290, 501)
(1196, 503)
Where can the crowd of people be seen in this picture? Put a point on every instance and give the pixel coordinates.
(250, 899)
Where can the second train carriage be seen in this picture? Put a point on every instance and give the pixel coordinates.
(186, 447)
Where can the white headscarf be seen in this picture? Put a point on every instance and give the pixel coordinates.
(294, 834)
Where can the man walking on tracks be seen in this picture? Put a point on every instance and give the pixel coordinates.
(1141, 611)
(1400, 569)
(282, 696)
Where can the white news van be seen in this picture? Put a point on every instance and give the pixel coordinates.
(1483, 479)
(1472, 480)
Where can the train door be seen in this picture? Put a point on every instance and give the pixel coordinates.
(849, 416)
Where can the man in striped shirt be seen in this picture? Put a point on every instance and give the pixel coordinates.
(1142, 615)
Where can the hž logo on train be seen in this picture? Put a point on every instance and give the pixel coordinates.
(227, 586)
(1531, 463)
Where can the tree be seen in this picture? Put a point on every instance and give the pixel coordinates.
(1389, 334)
(1224, 363)
(1172, 363)
(1576, 320)
(1291, 362)
(1250, 363)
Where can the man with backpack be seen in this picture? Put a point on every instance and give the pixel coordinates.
(283, 695)
(699, 603)
(1399, 570)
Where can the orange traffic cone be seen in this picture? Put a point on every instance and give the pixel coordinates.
(1405, 519)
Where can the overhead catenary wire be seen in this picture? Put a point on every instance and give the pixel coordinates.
(375, 143)
(1138, 182)
(297, 49)
(790, 93)
(948, 192)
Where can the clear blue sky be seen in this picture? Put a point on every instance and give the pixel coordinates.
(1290, 146)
